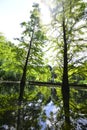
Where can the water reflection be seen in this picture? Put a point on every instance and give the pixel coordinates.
(50, 110)
(41, 109)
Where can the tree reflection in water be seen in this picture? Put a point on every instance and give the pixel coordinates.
(41, 110)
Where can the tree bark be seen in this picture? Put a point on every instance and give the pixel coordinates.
(65, 83)
(22, 85)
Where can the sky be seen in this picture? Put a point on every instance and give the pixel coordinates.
(13, 12)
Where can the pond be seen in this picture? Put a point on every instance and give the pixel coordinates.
(42, 108)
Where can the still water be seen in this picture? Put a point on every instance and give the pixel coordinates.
(42, 108)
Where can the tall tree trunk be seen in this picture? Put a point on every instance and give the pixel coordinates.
(65, 84)
(22, 85)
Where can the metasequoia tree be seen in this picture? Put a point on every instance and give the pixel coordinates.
(69, 29)
(32, 40)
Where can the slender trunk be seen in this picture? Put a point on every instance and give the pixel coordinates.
(65, 84)
(22, 85)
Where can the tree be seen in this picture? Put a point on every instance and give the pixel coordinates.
(69, 26)
(8, 70)
(32, 39)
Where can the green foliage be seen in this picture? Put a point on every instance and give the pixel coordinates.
(78, 104)
(9, 61)
(12, 59)
(76, 28)
(33, 38)
(7, 108)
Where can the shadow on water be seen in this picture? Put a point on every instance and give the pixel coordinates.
(42, 108)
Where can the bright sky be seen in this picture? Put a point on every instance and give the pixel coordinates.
(13, 12)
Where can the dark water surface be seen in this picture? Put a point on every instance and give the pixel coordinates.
(42, 108)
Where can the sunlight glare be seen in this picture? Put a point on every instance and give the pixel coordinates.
(45, 12)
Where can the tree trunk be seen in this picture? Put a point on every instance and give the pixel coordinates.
(22, 85)
(65, 84)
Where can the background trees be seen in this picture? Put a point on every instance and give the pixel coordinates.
(8, 68)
